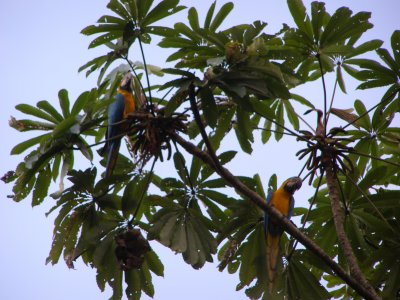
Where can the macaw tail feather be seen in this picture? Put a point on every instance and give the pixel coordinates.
(272, 258)
(113, 152)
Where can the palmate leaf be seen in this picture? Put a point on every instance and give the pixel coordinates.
(119, 33)
(184, 232)
(53, 147)
(300, 283)
(327, 37)
(199, 45)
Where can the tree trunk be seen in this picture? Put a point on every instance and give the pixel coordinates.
(338, 218)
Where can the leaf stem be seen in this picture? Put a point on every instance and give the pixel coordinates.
(144, 191)
(318, 56)
(137, 76)
(333, 97)
(147, 73)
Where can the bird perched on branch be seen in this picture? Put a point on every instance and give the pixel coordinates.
(282, 199)
(118, 110)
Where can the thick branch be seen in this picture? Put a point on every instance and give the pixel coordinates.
(281, 219)
(344, 243)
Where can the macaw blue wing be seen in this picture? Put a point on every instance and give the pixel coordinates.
(268, 200)
(115, 115)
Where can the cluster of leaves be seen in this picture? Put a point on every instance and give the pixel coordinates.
(248, 77)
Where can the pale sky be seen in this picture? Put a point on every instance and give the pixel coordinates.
(41, 51)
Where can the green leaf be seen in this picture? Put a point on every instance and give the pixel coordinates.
(21, 147)
(374, 176)
(119, 9)
(47, 107)
(209, 16)
(180, 166)
(259, 186)
(308, 287)
(365, 121)
(266, 132)
(41, 186)
(109, 201)
(193, 18)
(339, 78)
(342, 26)
(64, 102)
(300, 17)
(318, 18)
(154, 263)
(134, 283)
(395, 42)
(223, 127)
(133, 195)
(33, 111)
(209, 107)
(388, 59)
(162, 10)
(273, 183)
(80, 103)
(184, 231)
(262, 108)
(365, 47)
(195, 169)
(280, 122)
(243, 130)
(220, 16)
(64, 127)
(291, 114)
(185, 30)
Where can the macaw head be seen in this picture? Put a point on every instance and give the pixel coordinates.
(127, 82)
(292, 184)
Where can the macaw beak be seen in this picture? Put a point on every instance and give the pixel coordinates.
(293, 184)
(127, 82)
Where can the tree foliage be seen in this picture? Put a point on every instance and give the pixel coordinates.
(237, 81)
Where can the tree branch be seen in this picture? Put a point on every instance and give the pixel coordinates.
(281, 219)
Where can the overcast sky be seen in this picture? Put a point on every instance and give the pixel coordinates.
(41, 51)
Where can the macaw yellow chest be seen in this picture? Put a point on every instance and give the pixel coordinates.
(128, 101)
(281, 201)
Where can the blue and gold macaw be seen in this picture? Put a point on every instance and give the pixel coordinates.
(123, 104)
(282, 199)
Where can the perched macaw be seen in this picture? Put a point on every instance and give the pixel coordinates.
(123, 104)
(282, 199)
